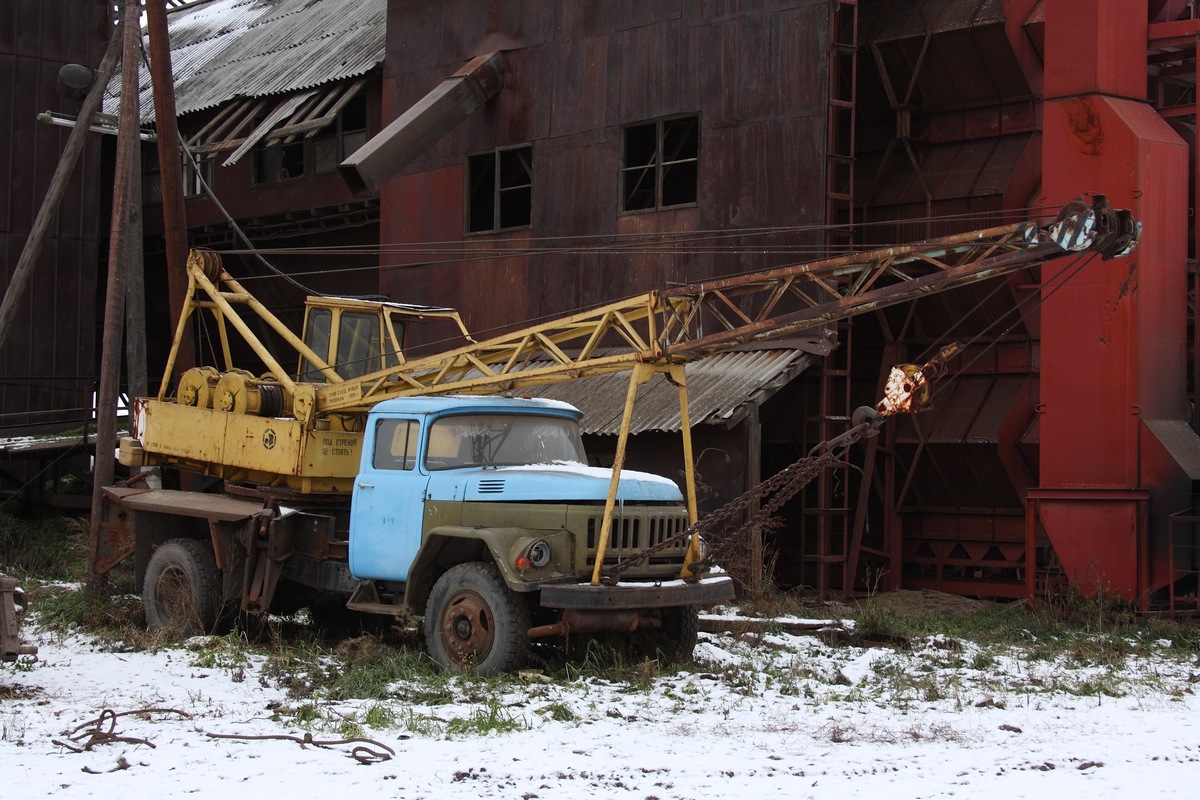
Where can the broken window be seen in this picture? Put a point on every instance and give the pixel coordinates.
(660, 164)
(278, 162)
(343, 137)
(500, 189)
(195, 175)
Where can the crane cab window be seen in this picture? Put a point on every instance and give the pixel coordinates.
(349, 341)
(317, 328)
(358, 349)
(395, 444)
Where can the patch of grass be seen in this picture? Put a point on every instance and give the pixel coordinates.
(420, 724)
(229, 652)
(45, 547)
(1094, 634)
(300, 667)
(379, 717)
(349, 729)
(117, 617)
(609, 659)
(376, 667)
(491, 718)
(559, 712)
(307, 714)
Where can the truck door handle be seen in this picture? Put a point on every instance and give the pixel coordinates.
(366, 486)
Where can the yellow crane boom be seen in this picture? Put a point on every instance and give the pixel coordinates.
(300, 428)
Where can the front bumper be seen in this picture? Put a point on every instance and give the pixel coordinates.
(661, 594)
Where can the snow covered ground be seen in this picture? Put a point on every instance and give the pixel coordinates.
(771, 715)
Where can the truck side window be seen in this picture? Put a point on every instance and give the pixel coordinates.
(395, 444)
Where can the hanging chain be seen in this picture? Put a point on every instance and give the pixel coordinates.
(907, 389)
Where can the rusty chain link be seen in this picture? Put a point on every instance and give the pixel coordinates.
(781, 487)
(360, 752)
(103, 730)
(907, 388)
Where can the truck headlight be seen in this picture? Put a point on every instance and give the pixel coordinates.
(538, 553)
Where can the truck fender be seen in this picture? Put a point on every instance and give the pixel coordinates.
(449, 545)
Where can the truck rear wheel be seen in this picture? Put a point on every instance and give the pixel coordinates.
(473, 623)
(182, 590)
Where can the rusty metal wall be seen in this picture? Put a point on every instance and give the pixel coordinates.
(575, 74)
(47, 366)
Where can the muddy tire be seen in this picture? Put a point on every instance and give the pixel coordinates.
(679, 633)
(473, 623)
(182, 590)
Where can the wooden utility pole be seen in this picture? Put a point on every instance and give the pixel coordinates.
(170, 169)
(32, 250)
(120, 250)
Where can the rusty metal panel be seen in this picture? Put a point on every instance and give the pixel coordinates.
(968, 410)
(581, 20)
(953, 170)
(958, 51)
(49, 354)
(584, 91)
(650, 72)
(803, 36)
(427, 121)
(13, 605)
(220, 507)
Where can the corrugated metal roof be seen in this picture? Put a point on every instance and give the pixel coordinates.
(224, 49)
(721, 388)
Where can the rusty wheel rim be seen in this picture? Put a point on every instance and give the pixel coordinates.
(467, 628)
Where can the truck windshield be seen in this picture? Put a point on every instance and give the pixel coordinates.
(478, 440)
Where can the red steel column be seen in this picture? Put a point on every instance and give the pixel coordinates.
(1114, 339)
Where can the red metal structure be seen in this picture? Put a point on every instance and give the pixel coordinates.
(1113, 342)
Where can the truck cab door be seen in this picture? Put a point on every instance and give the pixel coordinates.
(387, 508)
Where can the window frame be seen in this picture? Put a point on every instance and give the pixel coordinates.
(660, 165)
(384, 456)
(338, 133)
(279, 151)
(193, 186)
(498, 189)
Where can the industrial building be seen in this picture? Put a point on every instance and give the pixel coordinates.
(601, 150)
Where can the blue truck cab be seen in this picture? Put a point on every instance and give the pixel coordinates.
(483, 513)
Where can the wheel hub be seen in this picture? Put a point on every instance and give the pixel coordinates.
(467, 629)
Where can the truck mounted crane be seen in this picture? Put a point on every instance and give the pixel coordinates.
(384, 483)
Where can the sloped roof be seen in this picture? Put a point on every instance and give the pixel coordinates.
(722, 388)
(227, 49)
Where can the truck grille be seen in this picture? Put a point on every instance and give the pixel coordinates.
(634, 532)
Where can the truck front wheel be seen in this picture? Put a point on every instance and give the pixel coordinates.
(680, 632)
(182, 590)
(473, 623)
